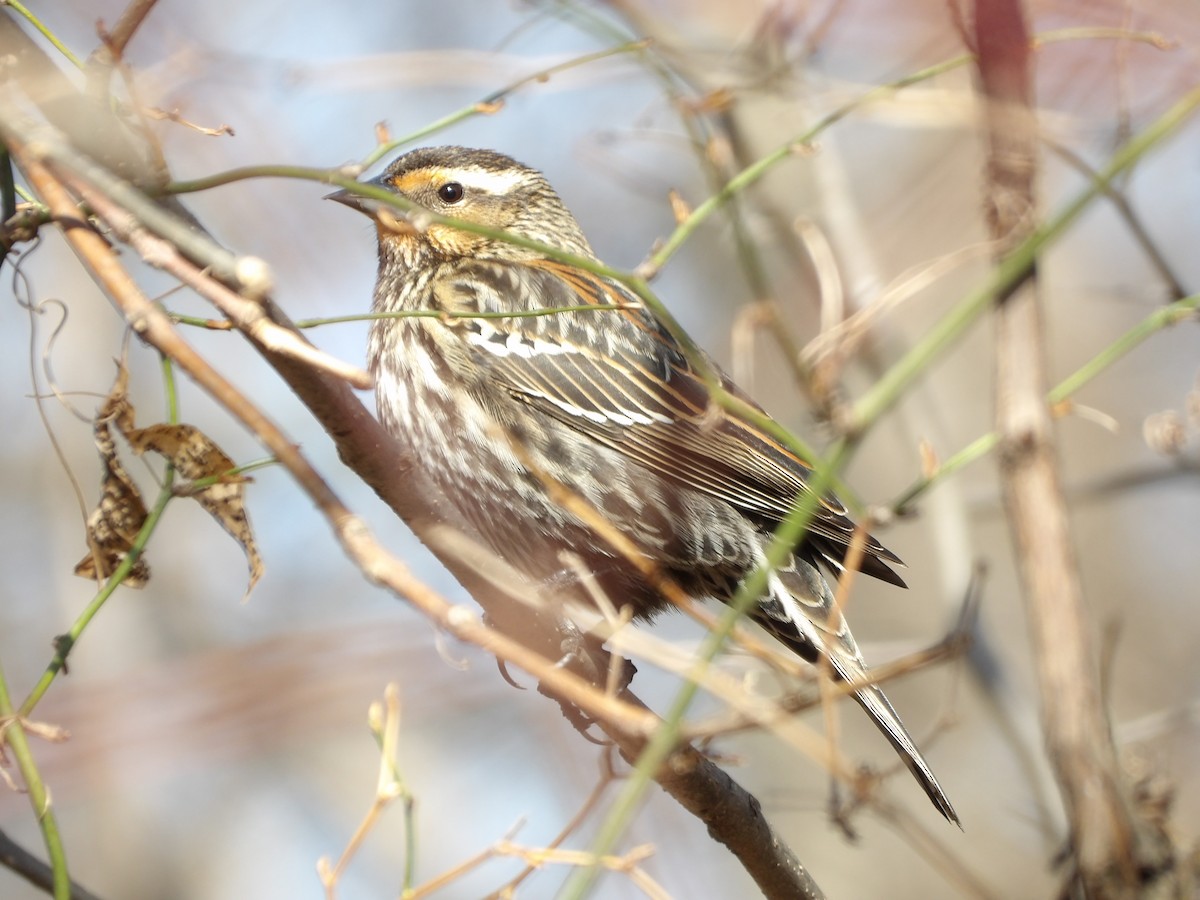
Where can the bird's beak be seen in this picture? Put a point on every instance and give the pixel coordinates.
(363, 204)
(388, 219)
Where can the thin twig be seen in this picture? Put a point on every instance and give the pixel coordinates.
(121, 33)
(494, 101)
(1175, 289)
(45, 31)
(248, 315)
(13, 733)
(731, 814)
(385, 725)
(153, 325)
(1012, 269)
(585, 809)
(737, 719)
(17, 859)
(1059, 398)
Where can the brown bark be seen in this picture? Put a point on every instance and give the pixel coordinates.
(1110, 854)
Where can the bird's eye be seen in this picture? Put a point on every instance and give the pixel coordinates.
(450, 192)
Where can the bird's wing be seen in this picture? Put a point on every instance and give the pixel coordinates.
(616, 375)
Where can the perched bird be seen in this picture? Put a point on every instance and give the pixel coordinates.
(599, 398)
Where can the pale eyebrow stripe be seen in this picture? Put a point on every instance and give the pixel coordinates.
(477, 179)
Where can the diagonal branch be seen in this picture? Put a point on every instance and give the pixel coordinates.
(153, 326)
(17, 859)
(527, 637)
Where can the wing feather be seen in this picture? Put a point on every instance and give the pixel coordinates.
(624, 382)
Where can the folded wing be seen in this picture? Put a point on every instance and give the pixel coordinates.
(624, 382)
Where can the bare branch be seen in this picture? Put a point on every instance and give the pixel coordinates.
(1110, 854)
(248, 315)
(120, 35)
(17, 859)
(527, 638)
(155, 327)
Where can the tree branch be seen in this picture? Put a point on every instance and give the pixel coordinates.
(17, 859)
(1109, 854)
(529, 637)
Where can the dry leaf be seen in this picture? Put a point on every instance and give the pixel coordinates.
(195, 456)
(120, 514)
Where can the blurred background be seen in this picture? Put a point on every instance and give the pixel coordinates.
(218, 748)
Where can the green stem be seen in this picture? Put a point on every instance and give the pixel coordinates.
(422, 217)
(244, 173)
(1009, 273)
(1011, 270)
(977, 449)
(209, 480)
(12, 732)
(410, 843)
(758, 169)
(1157, 321)
(45, 32)
(793, 147)
(666, 737)
(169, 390)
(65, 642)
(490, 103)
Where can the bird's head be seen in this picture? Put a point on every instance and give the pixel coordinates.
(477, 186)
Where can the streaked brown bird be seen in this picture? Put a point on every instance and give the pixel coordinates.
(601, 400)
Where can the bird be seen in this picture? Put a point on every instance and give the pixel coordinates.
(599, 397)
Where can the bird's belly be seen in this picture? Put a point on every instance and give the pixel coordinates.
(469, 456)
(504, 469)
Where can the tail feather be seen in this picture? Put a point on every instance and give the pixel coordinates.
(799, 617)
(876, 705)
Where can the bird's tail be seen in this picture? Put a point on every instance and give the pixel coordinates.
(807, 627)
(879, 708)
